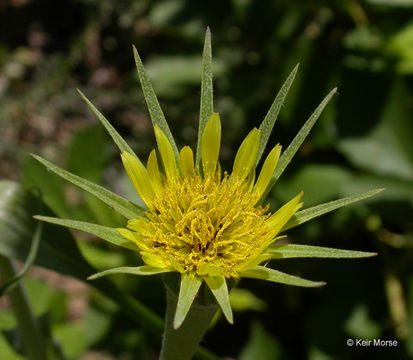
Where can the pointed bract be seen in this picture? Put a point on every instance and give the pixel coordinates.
(218, 287)
(187, 292)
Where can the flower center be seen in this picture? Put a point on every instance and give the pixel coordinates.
(206, 226)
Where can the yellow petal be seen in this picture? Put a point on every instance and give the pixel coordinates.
(186, 158)
(154, 173)
(153, 260)
(267, 171)
(139, 225)
(167, 154)
(134, 237)
(280, 218)
(246, 155)
(139, 177)
(211, 141)
(250, 180)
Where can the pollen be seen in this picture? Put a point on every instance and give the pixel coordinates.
(204, 226)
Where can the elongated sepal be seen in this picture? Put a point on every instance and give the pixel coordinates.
(286, 251)
(119, 141)
(264, 273)
(155, 111)
(307, 214)
(108, 234)
(289, 153)
(143, 270)
(207, 96)
(272, 115)
(187, 292)
(118, 203)
(218, 287)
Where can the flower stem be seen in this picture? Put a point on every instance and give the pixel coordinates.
(181, 344)
(33, 343)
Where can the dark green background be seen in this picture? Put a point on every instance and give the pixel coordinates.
(362, 141)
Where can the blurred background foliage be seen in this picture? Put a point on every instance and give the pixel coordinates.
(362, 141)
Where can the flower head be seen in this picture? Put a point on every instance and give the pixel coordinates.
(204, 223)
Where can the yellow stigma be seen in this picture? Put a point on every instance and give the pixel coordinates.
(205, 227)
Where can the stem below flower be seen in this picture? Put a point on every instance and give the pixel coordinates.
(181, 344)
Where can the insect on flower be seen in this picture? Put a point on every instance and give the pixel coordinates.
(204, 223)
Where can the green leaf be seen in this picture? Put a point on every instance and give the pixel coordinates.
(263, 273)
(272, 115)
(11, 283)
(155, 111)
(139, 270)
(106, 233)
(286, 251)
(118, 203)
(57, 249)
(122, 144)
(289, 153)
(189, 288)
(305, 215)
(218, 287)
(207, 96)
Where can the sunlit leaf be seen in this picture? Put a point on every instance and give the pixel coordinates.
(119, 204)
(307, 214)
(105, 233)
(263, 273)
(285, 251)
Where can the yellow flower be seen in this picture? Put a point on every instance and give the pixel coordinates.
(202, 222)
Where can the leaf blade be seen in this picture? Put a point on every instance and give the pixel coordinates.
(108, 234)
(155, 111)
(119, 141)
(143, 270)
(263, 273)
(118, 203)
(295, 144)
(272, 115)
(207, 98)
(307, 214)
(287, 251)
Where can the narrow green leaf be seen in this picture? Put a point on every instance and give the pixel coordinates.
(263, 273)
(189, 288)
(289, 153)
(207, 98)
(34, 247)
(119, 141)
(105, 233)
(305, 215)
(272, 115)
(155, 111)
(286, 251)
(139, 270)
(219, 288)
(118, 203)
